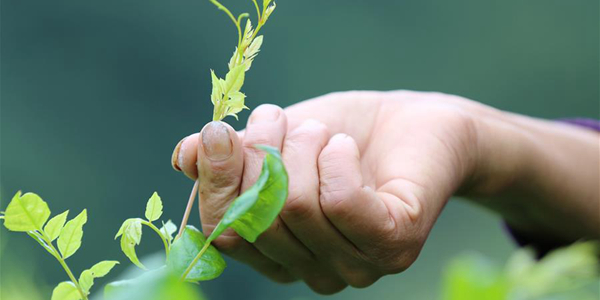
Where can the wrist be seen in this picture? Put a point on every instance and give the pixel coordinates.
(500, 153)
(534, 172)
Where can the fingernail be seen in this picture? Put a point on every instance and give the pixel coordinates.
(175, 156)
(216, 142)
(265, 113)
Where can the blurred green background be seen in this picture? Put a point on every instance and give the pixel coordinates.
(95, 95)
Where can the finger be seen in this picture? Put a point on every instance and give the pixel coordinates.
(302, 213)
(185, 155)
(267, 126)
(354, 209)
(220, 166)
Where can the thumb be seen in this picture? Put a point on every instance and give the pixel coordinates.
(220, 164)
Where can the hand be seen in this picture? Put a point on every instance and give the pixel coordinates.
(369, 174)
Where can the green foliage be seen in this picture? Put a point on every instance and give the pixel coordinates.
(29, 213)
(131, 235)
(86, 279)
(473, 277)
(190, 257)
(55, 225)
(26, 213)
(70, 237)
(168, 229)
(226, 96)
(561, 274)
(152, 285)
(255, 210)
(183, 251)
(65, 290)
(131, 230)
(154, 208)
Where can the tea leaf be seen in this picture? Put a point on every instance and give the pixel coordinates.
(104, 267)
(86, 279)
(65, 291)
(217, 88)
(168, 229)
(154, 208)
(70, 237)
(131, 235)
(152, 285)
(55, 225)
(254, 211)
(128, 248)
(234, 80)
(26, 213)
(269, 11)
(185, 249)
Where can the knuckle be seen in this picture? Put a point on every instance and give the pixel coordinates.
(394, 261)
(361, 279)
(325, 286)
(229, 242)
(357, 275)
(308, 131)
(296, 203)
(333, 200)
(281, 276)
(257, 137)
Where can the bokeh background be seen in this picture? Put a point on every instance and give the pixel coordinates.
(95, 95)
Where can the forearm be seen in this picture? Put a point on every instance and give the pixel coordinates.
(542, 176)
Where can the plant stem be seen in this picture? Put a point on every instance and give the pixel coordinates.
(65, 266)
(188, 209)
(223, 8)
(149, 224)
(195, 260)
(257, 9)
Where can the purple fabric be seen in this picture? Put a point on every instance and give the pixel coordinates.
(583, 122)
(541, 246)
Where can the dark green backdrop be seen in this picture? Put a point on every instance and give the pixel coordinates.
(95, 94)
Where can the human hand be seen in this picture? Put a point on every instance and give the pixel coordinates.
(369, 174)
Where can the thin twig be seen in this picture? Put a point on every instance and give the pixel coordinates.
(188, 209)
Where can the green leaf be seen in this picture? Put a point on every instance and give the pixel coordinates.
(70, 237)
(473, 277)
(65, 291)
(55, 225)
(152, 285)
(86, 279)
(254, 211)
(131, 235)
(26, 213)
(236, 103)
(168, 229)
(185, 249)
(217, 88)
(234, 80)
(562, 270)
(128, 248)
(126, 225)
(154, 208)
(252, 51)
(104, 267)
(269, 11)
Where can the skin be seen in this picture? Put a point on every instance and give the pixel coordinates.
(370, 172)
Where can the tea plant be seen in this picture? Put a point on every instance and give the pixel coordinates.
(29, 213)
(567, 273)
(190, 257)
